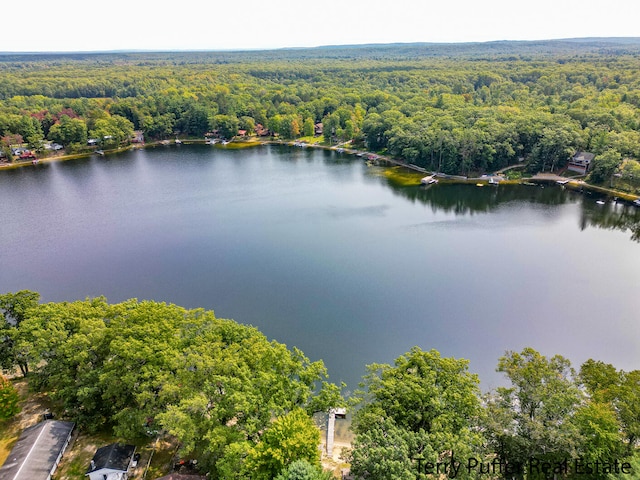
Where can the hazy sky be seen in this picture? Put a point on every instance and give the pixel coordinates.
(82, 25)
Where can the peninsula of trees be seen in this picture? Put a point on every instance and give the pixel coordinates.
(447, 108)
(241, 404)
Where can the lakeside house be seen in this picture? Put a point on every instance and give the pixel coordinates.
(138, 136)
(261, 131)
(38, 451)
(318, 129)
(111, 462)
(580, 162)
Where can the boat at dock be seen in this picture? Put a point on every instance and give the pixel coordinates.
(429, 180)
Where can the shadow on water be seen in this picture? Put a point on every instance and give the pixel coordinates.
(469, 199)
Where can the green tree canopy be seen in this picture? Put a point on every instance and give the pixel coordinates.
(9, 399)
(605, 165)
(14, 308)
(303, 470)
(140, 367)
(292, 437)
(617, 392)
(425, 407)
(112, 131)
(68, 131)
(534, 418)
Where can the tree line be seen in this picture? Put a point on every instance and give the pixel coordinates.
(242, 404)
(451, 112)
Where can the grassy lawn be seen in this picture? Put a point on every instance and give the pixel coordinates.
(164, 456)
(83, 446)
(77, 458)
(403, 177)
(240, 143)
(158, 455)
(311, 139)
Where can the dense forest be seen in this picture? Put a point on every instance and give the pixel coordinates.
(464, 108)
(242, 405)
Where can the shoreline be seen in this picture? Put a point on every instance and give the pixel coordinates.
(574, 184)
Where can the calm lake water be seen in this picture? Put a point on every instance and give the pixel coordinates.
(321, 252)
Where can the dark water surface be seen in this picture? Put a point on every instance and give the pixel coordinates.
(321, 252)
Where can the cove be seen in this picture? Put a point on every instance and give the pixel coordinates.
(322, 252)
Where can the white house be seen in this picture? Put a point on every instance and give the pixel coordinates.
(111, 462)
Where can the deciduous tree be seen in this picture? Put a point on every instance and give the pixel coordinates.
(424, 407)
(532, 418)
(292, 437)
(9, 399)
(14, 308)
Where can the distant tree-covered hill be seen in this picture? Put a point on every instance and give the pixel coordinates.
(455, 108)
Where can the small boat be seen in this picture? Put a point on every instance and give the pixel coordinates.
(479, 184)
(600, 202)
(100, 152)
(636, 202)
(493, 182)
(428, 180)
(178, 141)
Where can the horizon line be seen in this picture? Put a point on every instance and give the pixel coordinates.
(269, 49)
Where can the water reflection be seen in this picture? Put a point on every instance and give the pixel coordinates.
(611, 216)
(470, 199)
(321, 252)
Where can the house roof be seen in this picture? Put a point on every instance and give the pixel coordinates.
(35, 454)
(584, 156)
(116, 456)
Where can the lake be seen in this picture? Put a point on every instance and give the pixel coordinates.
(321, 252)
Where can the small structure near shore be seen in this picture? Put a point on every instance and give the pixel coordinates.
(111, 461)
(429, 180)
(331, 426)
